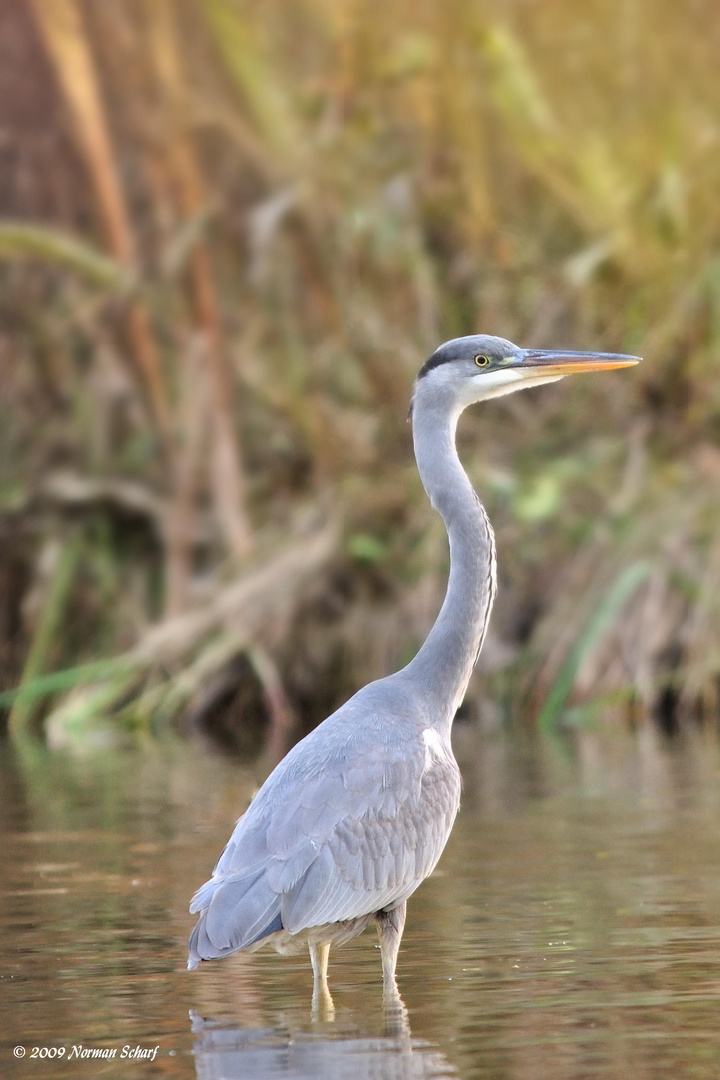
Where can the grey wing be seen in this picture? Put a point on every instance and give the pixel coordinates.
(236, 907)
(342, 843)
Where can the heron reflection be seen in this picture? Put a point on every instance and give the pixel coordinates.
(324, 1051)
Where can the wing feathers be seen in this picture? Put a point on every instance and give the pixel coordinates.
(282, 874)
(239, 911)
(340, 843)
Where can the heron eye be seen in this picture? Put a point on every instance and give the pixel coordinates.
(481, 360)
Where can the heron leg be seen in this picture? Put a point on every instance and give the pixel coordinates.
(390, 926)
(321, 1000)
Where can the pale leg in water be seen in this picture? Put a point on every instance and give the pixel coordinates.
(322, 1001)
(390, 926)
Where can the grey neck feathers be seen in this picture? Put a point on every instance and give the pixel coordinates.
(442, 668)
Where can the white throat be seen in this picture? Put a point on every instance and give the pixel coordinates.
(442, 382)
(504, 381)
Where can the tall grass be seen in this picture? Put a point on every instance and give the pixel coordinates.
(292, 204)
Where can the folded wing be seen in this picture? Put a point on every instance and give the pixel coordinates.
(339, 840)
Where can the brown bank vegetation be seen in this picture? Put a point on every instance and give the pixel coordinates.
(231, 231)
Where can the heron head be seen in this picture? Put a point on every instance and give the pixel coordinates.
(479, 367)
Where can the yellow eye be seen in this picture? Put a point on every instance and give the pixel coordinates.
(481, 360)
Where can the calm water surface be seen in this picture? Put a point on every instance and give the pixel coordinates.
(571, 930)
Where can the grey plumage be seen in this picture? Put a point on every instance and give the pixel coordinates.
(357, 814)
(354, 818)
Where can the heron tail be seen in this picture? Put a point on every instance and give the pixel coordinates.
(235, 913)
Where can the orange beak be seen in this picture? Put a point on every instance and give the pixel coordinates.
(568, 362)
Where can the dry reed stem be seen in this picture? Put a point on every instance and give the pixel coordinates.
(179, 521)
(63, 33)
(253, 612)
(261, 598)
(228, 481)
(282, 717)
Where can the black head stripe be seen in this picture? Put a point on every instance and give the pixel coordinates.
(440, 356)
(466, 348)
(431, 362)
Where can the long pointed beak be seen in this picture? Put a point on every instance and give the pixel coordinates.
(534, 362)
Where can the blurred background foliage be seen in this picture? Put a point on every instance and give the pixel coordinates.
(230, 233)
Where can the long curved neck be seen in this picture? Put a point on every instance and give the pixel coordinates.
(442, 667)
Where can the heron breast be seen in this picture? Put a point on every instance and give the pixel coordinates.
(434, 748)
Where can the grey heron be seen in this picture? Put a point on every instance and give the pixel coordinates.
(357, 814)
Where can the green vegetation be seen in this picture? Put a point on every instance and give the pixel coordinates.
(231, 232)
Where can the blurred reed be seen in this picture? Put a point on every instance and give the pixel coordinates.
(253, 223)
